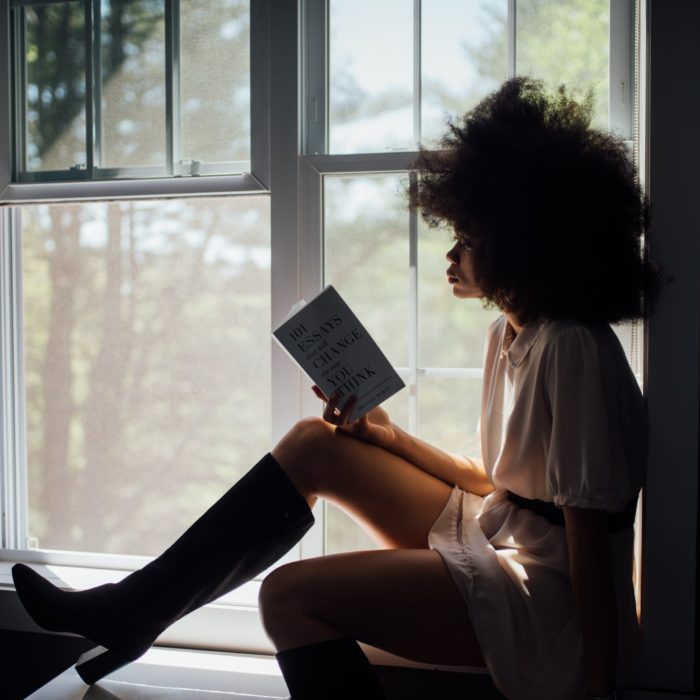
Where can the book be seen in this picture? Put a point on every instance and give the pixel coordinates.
(326, 339)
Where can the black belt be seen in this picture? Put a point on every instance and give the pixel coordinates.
(555, 515)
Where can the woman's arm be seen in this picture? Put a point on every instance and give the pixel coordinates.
(377, 428)
(590, 564)
(466, 472)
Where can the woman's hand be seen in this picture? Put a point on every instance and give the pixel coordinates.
(374, 427)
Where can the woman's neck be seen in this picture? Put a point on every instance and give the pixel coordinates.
(514, 323)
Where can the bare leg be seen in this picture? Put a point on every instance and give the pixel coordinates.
(392, 499)
(401, 600)
(404, 600)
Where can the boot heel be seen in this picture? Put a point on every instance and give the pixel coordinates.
(100, 662)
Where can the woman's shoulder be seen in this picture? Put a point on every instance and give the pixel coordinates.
(570, 332)
(572, 344)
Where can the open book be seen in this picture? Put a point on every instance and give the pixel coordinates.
(326, 339)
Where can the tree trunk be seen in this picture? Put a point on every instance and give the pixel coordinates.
(56, 496)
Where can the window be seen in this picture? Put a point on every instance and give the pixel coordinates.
(131, 88)
(137, 317)
(380, 104)
(162, 215)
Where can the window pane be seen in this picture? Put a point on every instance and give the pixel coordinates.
(371, 75)
(366, 259)
(366, 254)
(215, 80)
(343, 534)
(147, 328)
(566, 42)
(451, 331)
(55, 90)
(448, 413)
(464, 51)
(132, 83)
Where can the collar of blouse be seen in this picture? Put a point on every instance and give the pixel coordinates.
(517, 346)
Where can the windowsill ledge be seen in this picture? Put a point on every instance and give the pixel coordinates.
(231, 625)
(178, 673)
(175, 674)
(170, 673)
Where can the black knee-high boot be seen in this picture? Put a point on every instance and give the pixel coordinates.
(336, 669)
(249, 528)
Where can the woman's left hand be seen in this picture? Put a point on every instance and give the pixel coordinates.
(374, 427)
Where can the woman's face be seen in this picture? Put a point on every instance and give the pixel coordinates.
(460, 273)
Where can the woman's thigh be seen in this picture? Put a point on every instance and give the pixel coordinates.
(394, 501)
(403, 601)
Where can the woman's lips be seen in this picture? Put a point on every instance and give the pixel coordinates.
(451, 277)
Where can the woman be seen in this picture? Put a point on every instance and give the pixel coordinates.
(520, 559)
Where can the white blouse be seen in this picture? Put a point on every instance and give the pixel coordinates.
(574, 429)
(562, 420)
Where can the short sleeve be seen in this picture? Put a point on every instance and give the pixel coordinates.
(586, 465)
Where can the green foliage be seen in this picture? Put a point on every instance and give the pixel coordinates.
(129, 83)
(559, 42)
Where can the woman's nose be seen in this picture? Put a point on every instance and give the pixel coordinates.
(453, 254)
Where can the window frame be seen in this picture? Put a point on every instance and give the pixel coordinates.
(314, 168)
(315, 79)
(316, 162)
(93, 171)
(209, 627)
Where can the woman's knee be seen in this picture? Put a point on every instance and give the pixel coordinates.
(303, 449)
(280, 598)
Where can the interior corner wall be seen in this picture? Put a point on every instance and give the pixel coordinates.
(669, 595)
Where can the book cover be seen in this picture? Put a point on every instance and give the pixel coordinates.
(327, 340)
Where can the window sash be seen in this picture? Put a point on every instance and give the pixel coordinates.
(314, 169)
(212, 179)
(173, 167)
(309, 275)
(315, 102)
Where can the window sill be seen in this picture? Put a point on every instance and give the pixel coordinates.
(230, 625)
(173, 674)
(209, 652)
(178, 673)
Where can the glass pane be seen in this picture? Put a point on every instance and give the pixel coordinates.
(55, 90)
(371, 94)
(147, 328)
(366, 254)
(343, 534)
(215, 80)
(464, 50)
(448, 423)
(452, 331)
(132, 87)
(566, 42)
(366, 258)
(371, 75)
